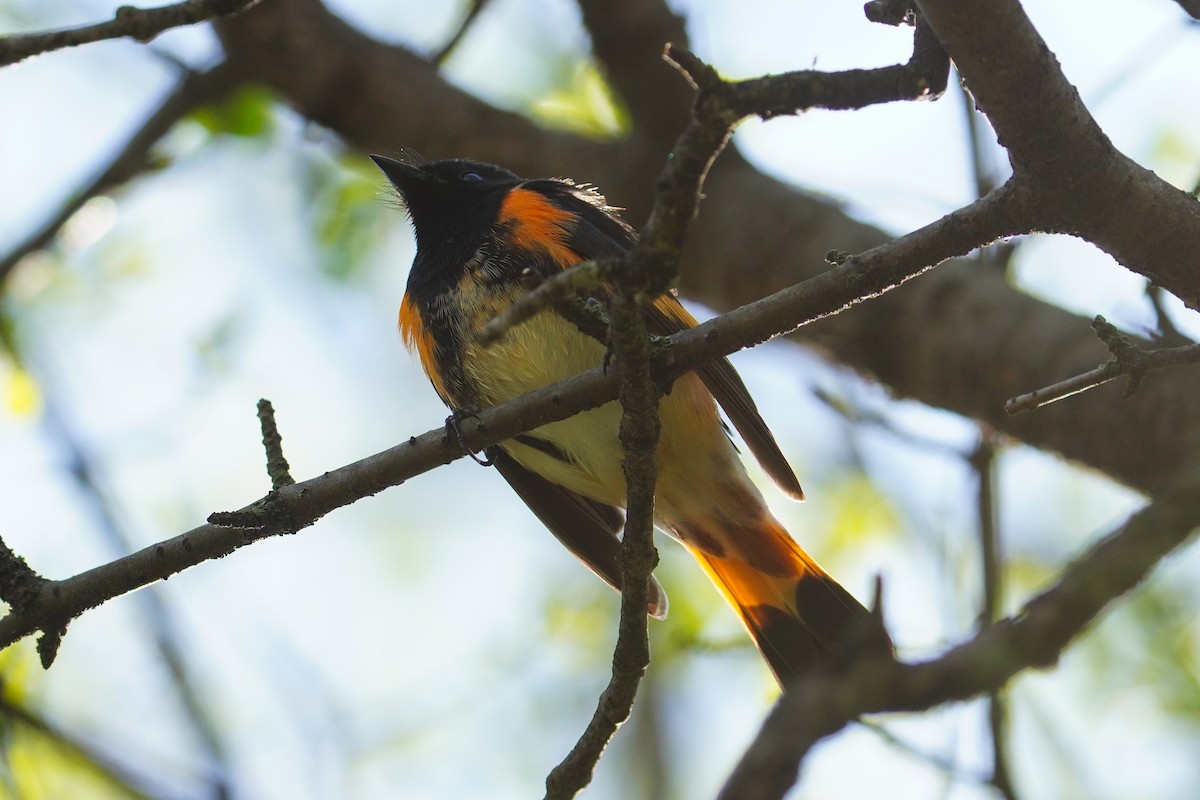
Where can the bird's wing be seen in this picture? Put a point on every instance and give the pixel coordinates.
(585, 527)
(598, 234)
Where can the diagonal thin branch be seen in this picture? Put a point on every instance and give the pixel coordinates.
(142, 24)
(1034, 638)
(193, 90)
(1128, 359)
(297, 506)
(443, 53)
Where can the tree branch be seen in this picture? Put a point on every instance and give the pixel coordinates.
(277, 466)
(142, 24)
(1128, 359)
(825, 702)
(294, 507)
(473, 12)
(1058, 147)
(639, 437)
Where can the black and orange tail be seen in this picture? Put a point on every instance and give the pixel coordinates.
(796, 613)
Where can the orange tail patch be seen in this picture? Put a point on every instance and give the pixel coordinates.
(794, 610)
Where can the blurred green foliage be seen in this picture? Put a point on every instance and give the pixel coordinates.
(247, 113)
(583, 103)
(348, 219)
(36, 760)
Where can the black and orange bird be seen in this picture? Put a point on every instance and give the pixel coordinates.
(481, 231)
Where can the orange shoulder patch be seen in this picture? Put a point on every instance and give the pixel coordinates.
(420, 342)
(536, 223)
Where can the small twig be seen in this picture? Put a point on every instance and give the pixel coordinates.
(938, 762)
(1063, 389)
(1128, 359)
(142, 24)
(468, 20)
(277, 465)
(582, 277)
(639, 437)
(718, 107)
(1167, 333)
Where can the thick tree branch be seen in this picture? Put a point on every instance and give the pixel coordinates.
(826, 702)
(294, 507)
(142, 24)
(1087, 187)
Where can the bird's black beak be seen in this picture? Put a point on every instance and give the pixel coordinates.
(405, 176)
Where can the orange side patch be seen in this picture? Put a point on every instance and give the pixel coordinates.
(536, 223)
(419, 341)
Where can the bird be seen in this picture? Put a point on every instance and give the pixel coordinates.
(482, 232)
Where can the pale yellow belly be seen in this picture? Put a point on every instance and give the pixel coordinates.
(695, 456)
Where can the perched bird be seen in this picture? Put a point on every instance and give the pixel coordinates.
(481, 231)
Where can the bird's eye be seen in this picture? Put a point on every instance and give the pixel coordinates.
(472, 176)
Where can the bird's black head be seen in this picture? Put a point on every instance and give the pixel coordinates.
(452, 203)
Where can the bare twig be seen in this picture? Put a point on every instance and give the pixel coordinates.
(639, 437)
(1167, 334)
(195, 89)
(1128, 359)
(938, 762)
(581, 277)
(825, 702)
(719, 106)
(460, 32)
(277, 465)
(142, 24)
